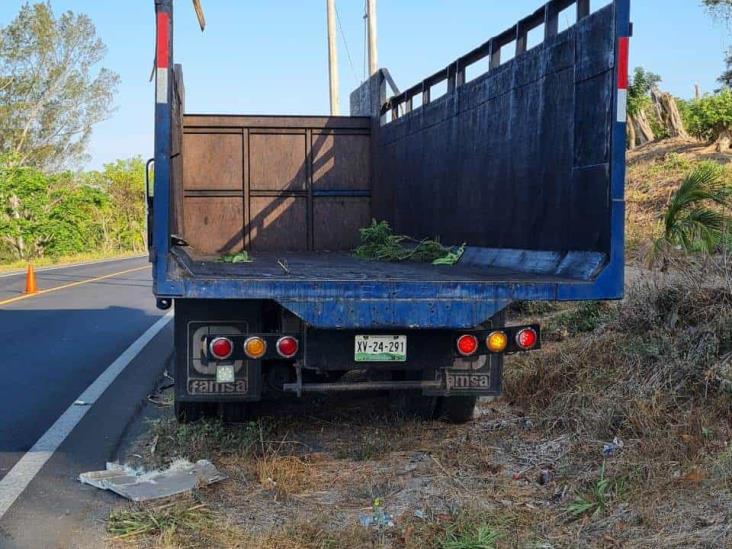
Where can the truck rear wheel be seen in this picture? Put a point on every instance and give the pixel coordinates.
(188, 412)
(234, 412)
(456, 409)
(412, 403)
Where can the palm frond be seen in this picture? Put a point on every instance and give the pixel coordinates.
(689, 221)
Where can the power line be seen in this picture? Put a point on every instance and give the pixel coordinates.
(365, 36)
(345, 43)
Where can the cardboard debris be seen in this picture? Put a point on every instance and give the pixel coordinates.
(138, 485)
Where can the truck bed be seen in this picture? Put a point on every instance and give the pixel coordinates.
(524, 163)
(342, 266)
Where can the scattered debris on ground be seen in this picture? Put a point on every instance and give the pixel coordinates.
(379, 243)
(140, 485)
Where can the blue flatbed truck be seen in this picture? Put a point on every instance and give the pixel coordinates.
(525, 163)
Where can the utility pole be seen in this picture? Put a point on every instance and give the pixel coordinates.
(332, 57)
(373, 51)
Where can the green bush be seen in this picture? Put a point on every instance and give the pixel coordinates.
(708, 117)
(63, 214)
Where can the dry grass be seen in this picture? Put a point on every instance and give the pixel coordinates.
(17, 265)
(183, 522)
(658, 367)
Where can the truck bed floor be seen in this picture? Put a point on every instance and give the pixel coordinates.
(344, 267)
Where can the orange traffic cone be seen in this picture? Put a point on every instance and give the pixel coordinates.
(30, 281)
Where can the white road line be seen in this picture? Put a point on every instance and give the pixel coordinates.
(23, 472)
(70, 265)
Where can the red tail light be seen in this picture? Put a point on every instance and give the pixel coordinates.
(467, 344)
(221, 348)
(287, 346)
(527, 338)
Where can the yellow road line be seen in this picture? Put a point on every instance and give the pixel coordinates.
(71, 285)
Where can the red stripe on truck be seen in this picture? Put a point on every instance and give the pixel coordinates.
(163, 40)
(623, 49)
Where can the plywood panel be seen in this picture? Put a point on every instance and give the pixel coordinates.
(337, 221)
(214, 225)
(278, 223)
(277, 162)
(212, 161)
(340, 161)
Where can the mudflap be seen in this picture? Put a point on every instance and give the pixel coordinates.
(195, 377)
(482, 376)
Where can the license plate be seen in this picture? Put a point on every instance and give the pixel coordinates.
(378, 348)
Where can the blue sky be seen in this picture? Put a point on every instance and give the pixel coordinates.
(260, 56)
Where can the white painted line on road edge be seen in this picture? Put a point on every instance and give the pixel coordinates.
(23, 472)
(70, 265)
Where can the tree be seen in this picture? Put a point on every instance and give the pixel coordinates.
(47, 215)
(50, 95)
(719, 8)
(123, 182)
(639, 99)
(726, 78)
(710, 118)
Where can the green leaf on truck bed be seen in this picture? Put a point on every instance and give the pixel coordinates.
(452, 257)
(240, 257)
(379, 243)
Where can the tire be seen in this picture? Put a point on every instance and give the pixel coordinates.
(234, 412)
(189, 412)
(456, 409)
(410, 403)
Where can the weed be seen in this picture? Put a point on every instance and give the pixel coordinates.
(722, 468)
(161, 520)
(585, 317)
(204, 439)
(479, 537)
(598, 498)
(284, 475)
(533, 308)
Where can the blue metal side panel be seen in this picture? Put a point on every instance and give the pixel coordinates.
(610, 283)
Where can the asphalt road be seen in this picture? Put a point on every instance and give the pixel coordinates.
(53, 346)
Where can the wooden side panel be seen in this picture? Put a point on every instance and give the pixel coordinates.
(337, 221)
(278, 223)
(275, 183)
(341, 161)
(277, 162)
(214, 224)
(213, 161)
